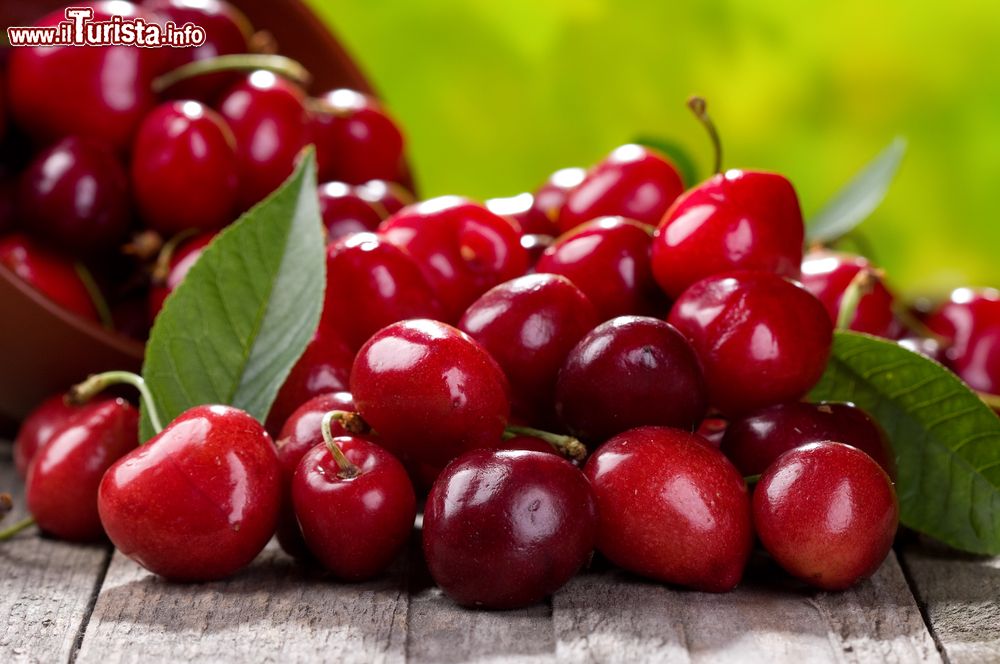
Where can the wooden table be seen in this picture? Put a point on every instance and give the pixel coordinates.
(87, 604)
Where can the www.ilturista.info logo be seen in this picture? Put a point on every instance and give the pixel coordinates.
(80, 29)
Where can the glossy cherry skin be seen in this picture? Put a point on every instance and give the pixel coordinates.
(761, 338)
(430, 391)
(633, 181)
(529, 325)
(551, 196)
(355, 526)
(391, 196)
(671, 508)
(926, 346)
(608, 259)
(268, 117)
(344, 211)
(827, 275)
(505, 529)
(462, 248)
(75, 196)
(38, 427)
(827, 513)
(754, 441)
(522, 211)
(184, 169)
(970, 320)
(183, 259)
(94, 92)
(356, 140)
(50, 273)
(200, 500)
(737, 220)
(370, 284)
(61, 486)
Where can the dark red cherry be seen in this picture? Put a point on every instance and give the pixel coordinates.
(633, 181)
(200, 500)
(521, 210)
(737, 220)
(50, 273)
(671, 508)
(628, 372)
(827, 275)
(344, 211)
(38, 427)
(430, 391)
(551, 196)
(62, 481)
(184, 169)
(753, 442)
(713, 429)
(268, 117)
(761, 338)
(505, 529)
(356, 140)
(391, 196)
(827, 513)
(74, 195)
(183, 259)
(370, 284)
(970, 320)
(608, 259)
(462, 248)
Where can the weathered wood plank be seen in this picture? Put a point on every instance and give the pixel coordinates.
(961, 597)
(47, 587)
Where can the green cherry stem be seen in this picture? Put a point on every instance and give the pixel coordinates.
(568, 446)
(278, 64)
(347, 468)
(752, 479)
(85, 391)
(161, 268)
(9, 532)
(96, 296)
(862, 284)
(699, 107)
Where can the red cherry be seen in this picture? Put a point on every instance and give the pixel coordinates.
(529, 325)
(608, 259)
(62, 481)
(356, 140)
(390, 196)
(199, 501)
(827, 275)
(51, 274)
(505, 529)
(737, 220)
(521, 211)
(344, 211)
(713, 429)
(462, 248)
(671, 508)
(761, 338)
(184, 169)
(926, 346)
(430, 391)
(183, 259)
(552, 195)
(827, 513)
(633, 181)
(38, 427)
(970, 320)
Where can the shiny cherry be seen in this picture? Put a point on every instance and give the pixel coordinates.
(827, 275)
(551, 196)
(628, 372)
(926, 346)
(761, 338)
(181, 262)
(827, 513)
(522, 211)
(50, 273)
(633, 181)
(38, 427)
(970, 321)
(184, 169)
(61, 486)
(737, 220)
(390, 196)
(345, 211)
(505, 529)
(356, 140)
(200, 500)
(671, 508)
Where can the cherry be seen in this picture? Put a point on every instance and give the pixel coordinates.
(99, 92)
(504, 529)
(970, 321)
(529, 325)
(633, 181)
(345, 211)
(75, 196)
(737, 220)
(51, 274)
(371, 284)
(180, 263)
(713, 429)
(672, 508)
(762, 339)
(63, 478)
(462, 248)
(827, 275)
(268, 118)
(355, 138)
(430, 391)
(522, 211)
(827, 513)
(391, 196)
(608, 259)
(753, 442)
(551, 196)
(926, 346)
(38, 427)
(197, 502)
(184, 169)
(628, 372)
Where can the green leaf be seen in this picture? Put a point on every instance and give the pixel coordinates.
(946, 440)
(232, 330)
(677, 154)
(859, 198)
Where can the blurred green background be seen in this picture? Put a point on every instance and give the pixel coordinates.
(494, 95)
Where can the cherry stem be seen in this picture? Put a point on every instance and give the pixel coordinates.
(278, 64)
(96, 296)
(862, 284)
(85, 391)
(23, 524)
(752, 479)
(161, 269)
(915, 325)
(143, 245)
(6, 505)
(568, 446)
(991, 400)
(347, 468)
(699, 107)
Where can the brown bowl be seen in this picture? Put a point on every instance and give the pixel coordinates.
(45, 349)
